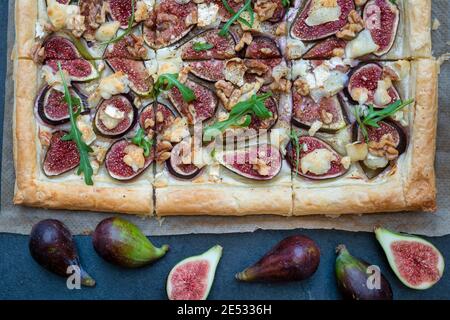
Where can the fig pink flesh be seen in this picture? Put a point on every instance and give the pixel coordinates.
(56, 107)
(121, 10)
(122, 104)
(136, 72)
(223, 47)
(307, 111)
(258, 123)
(60, 48)
(78, 68)
(120, 49)
(190, 280)
(416, 262)
(375, 134)
(148, 113)
(61, 156)
(324, 49)
(210, 70)
(262, 48)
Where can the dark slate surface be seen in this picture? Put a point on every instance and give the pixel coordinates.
(22, 278)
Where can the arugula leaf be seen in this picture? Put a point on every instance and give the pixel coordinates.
(286, 3)
(232, 12)
(127, 30)
(140, 139)
(247, 7)
(254, 105)
(298, 146)
(202, 46)
(75, 134)
(167, 81)
(393, 1)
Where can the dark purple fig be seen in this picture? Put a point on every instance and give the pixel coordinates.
(317, 159)
(61, 156)
(121, 11)
(262, 48)
(359, 280)
(266, 124)
(79, 70)
(60, 48)
(60, 1)
(177, 167)
(279, 12)
(52, 246)
(223, 47)
(141, 81)
(381, 19)
(307, 26)
(121, 242)
(202, 108)
(90, 10)
(260, 68)
(147, 118)
(364, 82)
(53, 109)
(169, 22)
(115, 117)
(208, 70)
(115, 163)
(131, 47)
(327, 110)
(325, 49)
(294, 258)
(257, 162)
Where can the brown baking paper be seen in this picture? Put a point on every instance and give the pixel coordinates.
(17, 219)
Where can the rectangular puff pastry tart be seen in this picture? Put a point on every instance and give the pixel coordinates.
(225, 107)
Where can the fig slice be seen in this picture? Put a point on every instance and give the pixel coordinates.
(121, 11)
(325, 49)
(192, 278)
(125, 49)
(328, 111)
(208, 70)
(202, 108)
(60, 48)
(116, 166)
(326, 162)
(381, 18)
(262, 48)
(79, 70)
(167, 23)
(415, 261)
(52, 107)
(256, 162)
(302, 31)
(140, 80)
(115, 117)
(147, 117)
(61, 156)
(363, 84)
(223, 47)
(266, 124)
(176, 165)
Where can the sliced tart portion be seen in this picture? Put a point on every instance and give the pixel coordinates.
(61, 156)
(140, 80)
(209, 45)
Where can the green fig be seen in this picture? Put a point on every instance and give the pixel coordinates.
(415, 261)
(356, 279)
(121, 242)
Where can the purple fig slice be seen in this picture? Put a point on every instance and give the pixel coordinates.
(147, 118)
(61, 156)
(415, 261)
(115, 117)
(80, 70)
(52, 107)
(363, 83)
(325, 49)
(302, 31)
(257, 162)
(168, 23)
(176, 165)
(294, 258)
(121, 10)
(140, 80)
(381, 19)
(262, 48)
(328, 167)
(192, 278)
(328, 111)
(116, 166)
(60, 48)
(202, 108)
(131, 47)
(260, 68)
(61, 1)
(223, 47)
(266, 124)
(208, 70)
(279, 12)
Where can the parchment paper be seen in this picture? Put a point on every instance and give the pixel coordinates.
(17, 219)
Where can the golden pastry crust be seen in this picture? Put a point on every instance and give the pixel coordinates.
(34, 190)
(418, 35)
(26, 10)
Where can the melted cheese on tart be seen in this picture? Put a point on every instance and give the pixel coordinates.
(317, 161)
(362, 45)
(114, 84)
(54, 79)
(111, 116)
(62, 15)
(381, 96)
(84, 124)
(107, 31)
(357, 151)
(234, 71)
(323, 11)
(207, 14)
(177, 130)
(295, 48)
(134, 157)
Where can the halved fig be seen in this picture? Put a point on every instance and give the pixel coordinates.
(61, 156)
(180, 162)
(325, 49)
(223, 12)
(147, 117)
(260, 68)
(115, 165)
(381, 19)
(121, 10)
(257, 162)
(202, 108)
(223, 46)
(115, 117)
(52, 107)
(168, 23)
(317, 159)
(60, 48)
(80, 70)
(266, 124)
(131, 47)
(140, 80)
(328, 111)
(262, 48)
(208, 70)
(307, 25)
(363, 85)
